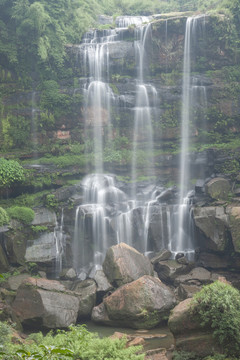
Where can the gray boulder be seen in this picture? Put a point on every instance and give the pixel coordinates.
(168, 270)
(13, 282)
(86, 291)
(68, 274)
(44, 216)
(42, 250)
(161, 256)
(103, 285)
(45, 303)
(124, 264)
(188, 332)
(213, 223)
(4, 265)
(218, 188)
(199, 275)
(234, 225)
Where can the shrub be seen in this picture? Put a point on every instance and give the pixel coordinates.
(4, 219)
(76, 343)
(4, 333)
(10, 172)
(21, 213)
(184, 355)
(218, 306)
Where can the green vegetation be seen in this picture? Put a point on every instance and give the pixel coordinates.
(76, 343)
(5, 276)
(21, 213)
(10, 172)
(218, 307)
(4, 219)
(39, 228)
(51, 202)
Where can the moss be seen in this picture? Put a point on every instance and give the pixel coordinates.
(21, 213)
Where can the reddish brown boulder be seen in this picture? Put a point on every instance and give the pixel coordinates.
(143, 303)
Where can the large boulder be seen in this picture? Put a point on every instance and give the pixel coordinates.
(213, 223)
(44, 216)
(218, 188)
(42, 250)
(4, 265)
(124, 264)
(45, 303)
(14, 281)
(188, 332)
(198, 275)
(234, 225)
(215, 261)
(86, 291)
(168, 270)
(15, 243)
(143, 303)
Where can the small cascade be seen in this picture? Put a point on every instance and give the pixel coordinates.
(166, 46)
(143, 135)
(199, 99)
(59, 240)
(34, 137)
(126, 21)
(102, 200)
(99, 97)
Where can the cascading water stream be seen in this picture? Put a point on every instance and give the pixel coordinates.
(98, 95)
(59, 244)
(34, 126)
(184, 241)
(143, 134)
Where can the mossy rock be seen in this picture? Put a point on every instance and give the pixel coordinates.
(234, 224)
(218, 188)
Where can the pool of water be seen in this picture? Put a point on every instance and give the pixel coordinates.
(159, 337)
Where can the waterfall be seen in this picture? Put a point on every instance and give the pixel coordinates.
(34, 126)
(185, 241)
(143, 135)
(97, 93)
(144, 215)
(59, 240)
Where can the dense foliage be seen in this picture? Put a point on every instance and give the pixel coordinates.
(34, 33)
(218, 306)
(10, 172)
(21, 213)
(77, 343)
(4, 219)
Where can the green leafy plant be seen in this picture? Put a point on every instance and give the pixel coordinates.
(10, 172)
(218, 307)
(21, 213)
(4, 218)
(51, 201)
(39, 228)
(76, 343)
(184, 355)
